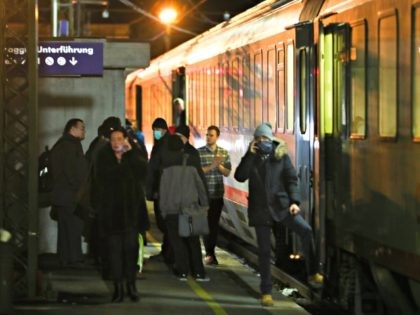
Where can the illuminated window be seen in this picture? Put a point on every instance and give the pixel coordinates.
(358, 81)
(416, 76)
(290, 73)
(388, 76)
(302, 91)
(258, 88)
(271, 88)
(280, 87)
(235, 83)
(247, 95)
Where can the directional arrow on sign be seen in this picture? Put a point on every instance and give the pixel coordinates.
(73, 61)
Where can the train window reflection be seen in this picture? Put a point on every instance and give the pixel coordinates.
(280, 87)
(235, 79)
(271, 87)
(246, 102)
(416, 78)
(290, 73)
(302, 90)
(226, 107)
(358, 80)
(258, 88)
(388, 76)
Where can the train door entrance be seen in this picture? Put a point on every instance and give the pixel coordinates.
(179, 92)
(305, 87)
(333, 115)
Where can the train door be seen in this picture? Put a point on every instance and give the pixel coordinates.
(334, 100)
(304, 128)
(179, 91)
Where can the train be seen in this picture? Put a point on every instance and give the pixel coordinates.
(339, 81)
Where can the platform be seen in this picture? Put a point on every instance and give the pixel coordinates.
(233, 289)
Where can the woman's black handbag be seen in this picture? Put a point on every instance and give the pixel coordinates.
(193, 224)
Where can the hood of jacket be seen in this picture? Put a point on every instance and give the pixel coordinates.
(281, 148)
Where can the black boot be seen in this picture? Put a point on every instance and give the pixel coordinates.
(118, 295)
(132, 291)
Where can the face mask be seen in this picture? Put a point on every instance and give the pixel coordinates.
(157, 134)
(265, 147)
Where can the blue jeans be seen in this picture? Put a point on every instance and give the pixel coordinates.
(298, 225)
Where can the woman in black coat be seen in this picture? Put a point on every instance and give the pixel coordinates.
(273, 199)
(121, 172)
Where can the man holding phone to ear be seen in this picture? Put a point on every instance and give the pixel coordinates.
(274, 199)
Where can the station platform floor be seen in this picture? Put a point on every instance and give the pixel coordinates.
(233, 289)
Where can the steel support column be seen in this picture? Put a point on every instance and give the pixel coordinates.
(18, 137)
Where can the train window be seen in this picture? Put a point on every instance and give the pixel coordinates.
(327, 91)
(271, 87)
(388, 76)
(258, 88)
(226, 96)
(290, 86)
(280, 87)
(235, 79)
(416, 76)
(216, 90)
(358, 80)
(302, 90)
(246, 101)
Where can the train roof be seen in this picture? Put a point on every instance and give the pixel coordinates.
(264, 20)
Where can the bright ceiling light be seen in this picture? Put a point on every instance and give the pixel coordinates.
(168, 15)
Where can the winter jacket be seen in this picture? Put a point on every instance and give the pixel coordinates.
(154, 169)
(69, 169)
(122, 194)
(273, 184)
(181, 188)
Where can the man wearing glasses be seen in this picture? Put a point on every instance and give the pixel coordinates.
(215, 162)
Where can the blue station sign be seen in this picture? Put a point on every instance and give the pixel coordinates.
(70, 58)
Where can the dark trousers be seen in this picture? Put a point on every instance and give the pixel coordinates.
(213, 216)
(123, 248)
(69, 242)
(167, 251)
(187, 250)
(298, 225)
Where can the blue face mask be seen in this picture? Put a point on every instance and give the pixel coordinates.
(265, 147)
(157, 134)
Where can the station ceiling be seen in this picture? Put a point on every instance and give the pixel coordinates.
(122, 19)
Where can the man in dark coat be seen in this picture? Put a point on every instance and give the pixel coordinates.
(69, 169)
(273, 199)
(154, 172)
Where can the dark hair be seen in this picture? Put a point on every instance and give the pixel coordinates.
(183, 130)
(160, 123)
(215, 128)
(118, 129)
(109, 124)
(71, 123)
(175, 143)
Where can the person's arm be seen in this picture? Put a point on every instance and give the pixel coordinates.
(243, 170)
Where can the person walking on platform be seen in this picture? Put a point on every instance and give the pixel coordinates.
(69, 169)
(215, 162)
(154, 171)
(178, 191)
(274, 199)
(121, 171)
